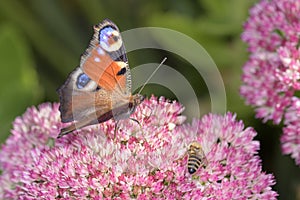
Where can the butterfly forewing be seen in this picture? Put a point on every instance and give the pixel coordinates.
(105, 59)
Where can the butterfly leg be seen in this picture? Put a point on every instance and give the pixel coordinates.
(115, 130)
(151, 112)
(117, 126)
(135, 120)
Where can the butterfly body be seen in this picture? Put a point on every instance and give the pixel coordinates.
(100, 88)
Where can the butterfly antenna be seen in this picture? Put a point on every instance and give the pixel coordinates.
(161, 63)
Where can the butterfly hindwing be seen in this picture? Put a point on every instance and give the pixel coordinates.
(78, 97)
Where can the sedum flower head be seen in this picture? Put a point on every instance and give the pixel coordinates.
(291, 138)
(144, 161)
(272, 73)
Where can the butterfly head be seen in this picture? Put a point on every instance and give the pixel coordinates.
(138, 99)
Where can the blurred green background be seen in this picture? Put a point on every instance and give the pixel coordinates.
(41, 42)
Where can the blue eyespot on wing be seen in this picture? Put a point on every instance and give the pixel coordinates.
(110, 39)
(82, 81)
(74, 94)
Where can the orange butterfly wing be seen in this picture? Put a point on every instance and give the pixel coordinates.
(106, 74)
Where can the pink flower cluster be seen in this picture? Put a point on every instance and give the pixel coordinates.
(271, 76)
(144, 161)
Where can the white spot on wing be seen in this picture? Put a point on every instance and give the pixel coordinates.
(112, 47)
(100, 51)
(97, 59)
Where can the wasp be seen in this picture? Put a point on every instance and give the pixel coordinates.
(196, 157)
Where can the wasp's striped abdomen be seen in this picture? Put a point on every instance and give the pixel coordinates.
(193, 164)
(196, 157)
